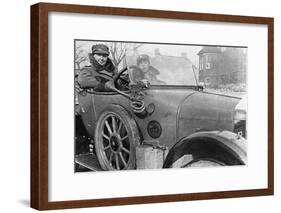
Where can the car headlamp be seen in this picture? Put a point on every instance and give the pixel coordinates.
(239, 115)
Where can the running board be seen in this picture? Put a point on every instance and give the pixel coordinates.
(89, 161)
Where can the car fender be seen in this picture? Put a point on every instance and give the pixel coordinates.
(229, 142)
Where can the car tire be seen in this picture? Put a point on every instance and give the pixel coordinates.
(203, 163)
(116, 137)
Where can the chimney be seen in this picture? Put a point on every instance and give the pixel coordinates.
(157, 51)
(184, 54)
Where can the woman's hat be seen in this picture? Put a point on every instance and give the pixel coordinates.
(100, 49)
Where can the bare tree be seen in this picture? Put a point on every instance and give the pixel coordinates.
(80, 57)
(118, 51)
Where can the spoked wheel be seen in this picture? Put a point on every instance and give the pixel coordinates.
(115, 139)
(204, 163)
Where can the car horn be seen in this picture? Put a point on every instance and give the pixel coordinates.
(137, 106)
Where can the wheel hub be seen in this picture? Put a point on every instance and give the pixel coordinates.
(114, 143)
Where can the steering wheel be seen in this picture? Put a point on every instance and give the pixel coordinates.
(123, 82)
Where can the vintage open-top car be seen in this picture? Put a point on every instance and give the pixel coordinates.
(170, 112)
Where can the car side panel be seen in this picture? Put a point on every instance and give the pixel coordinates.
(166, 103)
(87, 111)
(206, 112)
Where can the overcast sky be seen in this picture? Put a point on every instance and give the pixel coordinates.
(169, 50)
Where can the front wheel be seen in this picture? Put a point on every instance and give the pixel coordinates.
(116, 137)
(203, 163)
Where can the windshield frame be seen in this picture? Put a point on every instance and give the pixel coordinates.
(133, 82)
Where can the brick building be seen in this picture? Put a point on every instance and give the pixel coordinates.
(222, 65)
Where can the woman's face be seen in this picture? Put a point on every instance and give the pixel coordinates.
(101, 58)
(144, 65)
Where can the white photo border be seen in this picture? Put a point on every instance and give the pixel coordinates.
(64, 184)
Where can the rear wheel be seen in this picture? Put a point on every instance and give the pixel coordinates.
(204, 151)
(116, 136)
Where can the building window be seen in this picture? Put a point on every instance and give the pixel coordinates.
(207, 62)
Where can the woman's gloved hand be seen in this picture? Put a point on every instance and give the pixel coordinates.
(109, 86)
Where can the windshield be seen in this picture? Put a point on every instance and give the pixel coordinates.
(160, 69)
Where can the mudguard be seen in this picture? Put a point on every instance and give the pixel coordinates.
(231, 147)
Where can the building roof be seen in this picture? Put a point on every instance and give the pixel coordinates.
(209, 49)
